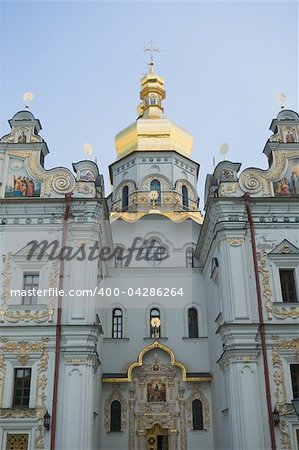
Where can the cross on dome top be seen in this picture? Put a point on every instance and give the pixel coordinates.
(152, 49)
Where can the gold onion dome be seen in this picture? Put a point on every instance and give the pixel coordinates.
(152, 131)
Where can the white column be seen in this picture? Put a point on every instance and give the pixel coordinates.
(244, 408)
(75, 406)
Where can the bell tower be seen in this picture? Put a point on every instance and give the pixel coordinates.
(154, 171)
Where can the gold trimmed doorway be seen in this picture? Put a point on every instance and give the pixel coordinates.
(157, 438)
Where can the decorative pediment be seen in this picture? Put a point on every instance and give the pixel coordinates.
(22, 173)
(25, 177)
(31, 251)
(115, 395)
(285, 127)
(226, 171)
(24, 129)
(86, 171)
(127, 377)
(281, 179)
(285, 248)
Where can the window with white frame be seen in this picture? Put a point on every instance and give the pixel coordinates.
(294, 368)
(30, 285)
(117, 323)
(22, 382)
(118, 261)
(284, 264)
(288, 285)
(190, 257)
(155, 313)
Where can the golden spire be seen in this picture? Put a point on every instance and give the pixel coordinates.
(152, 131)
(152, 89)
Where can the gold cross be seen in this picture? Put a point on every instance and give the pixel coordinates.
(281, 97)
(151, 49)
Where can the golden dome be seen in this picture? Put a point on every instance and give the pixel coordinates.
(152, 131)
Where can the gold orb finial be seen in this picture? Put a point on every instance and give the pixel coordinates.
(88, 149)
(27, 97)
(223, 150)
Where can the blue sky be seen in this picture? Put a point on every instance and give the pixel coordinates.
(223, 64)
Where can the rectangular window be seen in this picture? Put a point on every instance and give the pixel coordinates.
(17, 442)
(295, 379)
(22, 388)
(30, 282)
(288, 285)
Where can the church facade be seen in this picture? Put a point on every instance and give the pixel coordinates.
(134, 321)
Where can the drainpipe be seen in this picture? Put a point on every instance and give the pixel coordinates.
(58, 322)
(247, 200)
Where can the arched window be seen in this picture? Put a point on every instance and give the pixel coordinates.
(185, 197)
(154, 253)
(118, 262)
(153, 99)
(197, 417)
(115, 416)
(117, 323)
(155, 312)
(192, 323)
(125, 198)
(156, 186)
(189, 257)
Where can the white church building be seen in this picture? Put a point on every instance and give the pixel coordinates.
(134, 321)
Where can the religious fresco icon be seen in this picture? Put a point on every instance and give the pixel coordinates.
(156, 391)
(289, 184)
(19, 181)
(86, 175)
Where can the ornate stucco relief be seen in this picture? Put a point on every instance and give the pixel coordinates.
(23, 350)
(256, 180)
(116, 395)
(235, 242)
(272, 310)
(58, 180)
(29, 315)
(280, 384)
(197, 394)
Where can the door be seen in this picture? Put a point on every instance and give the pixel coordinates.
(157, 438)
(17, 442)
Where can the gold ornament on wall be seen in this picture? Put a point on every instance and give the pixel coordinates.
(280, 384)
(197, 394)
(24, 350)
(6, 313)
(272, 310)
(235, 242)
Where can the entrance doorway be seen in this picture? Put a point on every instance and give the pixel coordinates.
(157, 438)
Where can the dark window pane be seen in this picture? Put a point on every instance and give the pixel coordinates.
(295, 379)
(193, 323)
(185, 197)
(156, 186)
(288, 286)
(125, 198)
(197, 415)
(115, 416)
(117, 323)
(22, 388)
